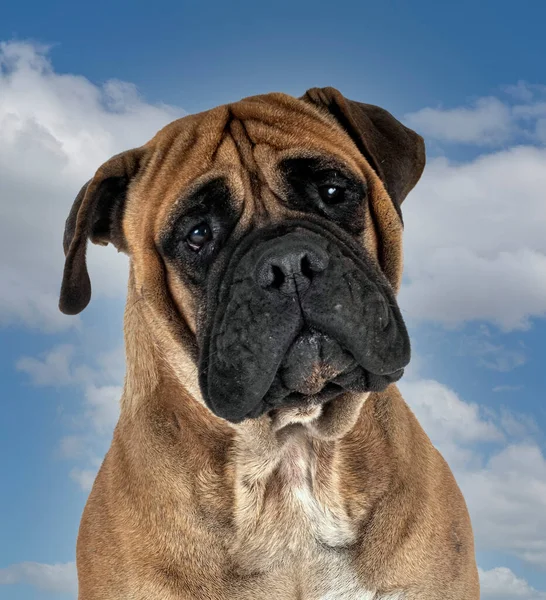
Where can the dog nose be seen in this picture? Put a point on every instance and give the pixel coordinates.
(289, 267)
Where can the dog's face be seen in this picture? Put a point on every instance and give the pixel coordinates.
(265, 235)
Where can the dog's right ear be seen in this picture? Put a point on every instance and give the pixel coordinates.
(96, 215)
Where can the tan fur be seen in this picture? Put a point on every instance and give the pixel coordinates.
(350, 502)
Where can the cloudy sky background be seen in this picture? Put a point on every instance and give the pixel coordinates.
(78, 86)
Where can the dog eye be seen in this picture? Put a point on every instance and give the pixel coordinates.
(199, 236)
(331, 194)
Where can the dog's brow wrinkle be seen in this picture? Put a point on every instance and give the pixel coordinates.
(252, 171)
(244, 144)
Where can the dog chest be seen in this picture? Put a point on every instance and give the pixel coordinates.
(294, 525)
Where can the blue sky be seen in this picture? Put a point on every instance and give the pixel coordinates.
(81, 82)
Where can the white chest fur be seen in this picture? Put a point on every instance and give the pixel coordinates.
(293, 522)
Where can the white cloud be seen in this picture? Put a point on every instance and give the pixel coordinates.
(58, 368)
(57, 578)
(83, 477)
(490, 353)
(525, 92)
(53, 369)
(475, 247)
(56, 130)
(453, 425)
(500, 358)
(507, 388)
(101, 389)
(441, 412)
(502, 584)
(102, 407)
(488, 121)
(72, 447)
(517, 425)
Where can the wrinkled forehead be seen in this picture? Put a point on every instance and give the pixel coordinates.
(243, 143)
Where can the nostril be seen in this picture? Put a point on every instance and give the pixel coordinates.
(306, 268)
(313, 263)
(278, 277)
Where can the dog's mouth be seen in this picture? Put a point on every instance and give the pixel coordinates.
(309, 370)
(312, 361)
(315, 370)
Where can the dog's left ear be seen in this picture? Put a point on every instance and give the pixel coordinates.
(396, 153)
(96, 215)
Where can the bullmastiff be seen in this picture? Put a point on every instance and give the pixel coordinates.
(263, 450)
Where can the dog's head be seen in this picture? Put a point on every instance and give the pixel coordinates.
(266, 236)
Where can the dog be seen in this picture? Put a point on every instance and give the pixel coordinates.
(263, 450)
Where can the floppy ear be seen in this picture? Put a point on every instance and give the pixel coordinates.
(396, 153)
(96, 215)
